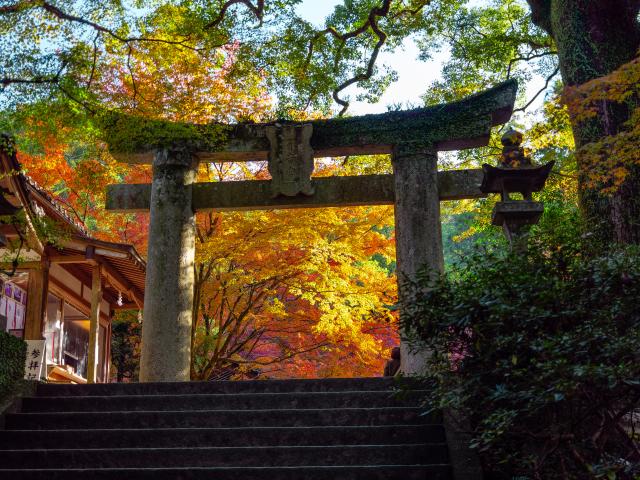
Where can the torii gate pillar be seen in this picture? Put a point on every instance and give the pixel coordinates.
(418, 228)
(168, 299)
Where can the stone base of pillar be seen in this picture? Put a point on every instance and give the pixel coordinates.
(412, 362)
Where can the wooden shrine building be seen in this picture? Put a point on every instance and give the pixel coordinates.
(65, 292)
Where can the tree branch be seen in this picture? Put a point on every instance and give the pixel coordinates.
(16, 7)
(371, 22)
(62, 15)
(375, 12)
(94, 61)
(257, 10)
(546, 85)
(527, 58)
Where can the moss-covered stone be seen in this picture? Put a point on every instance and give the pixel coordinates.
(128, 134)
(329, 192)
(457, 125)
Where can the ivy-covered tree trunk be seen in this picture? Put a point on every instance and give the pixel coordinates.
(594, 38)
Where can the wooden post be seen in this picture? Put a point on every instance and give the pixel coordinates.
(94, 325)
(168, 300)
(37, 290)
(107, 355)
(418, 229)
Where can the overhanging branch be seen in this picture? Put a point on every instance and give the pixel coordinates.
(257, 10)
(543, 89)
(371, 22)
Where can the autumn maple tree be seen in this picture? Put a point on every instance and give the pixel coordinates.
(314, 295)
(309, 68)
(305, 294)
(294, 294)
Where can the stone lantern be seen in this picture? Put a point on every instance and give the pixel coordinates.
(515, 174)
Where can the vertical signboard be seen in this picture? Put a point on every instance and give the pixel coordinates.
(35, 367)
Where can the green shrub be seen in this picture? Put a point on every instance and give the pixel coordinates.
(13, 353)
(125, 346)
(541, 351)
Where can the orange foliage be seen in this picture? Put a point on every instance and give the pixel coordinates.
(289, 293)
(305, 284)
(180, 84)
(606, 163)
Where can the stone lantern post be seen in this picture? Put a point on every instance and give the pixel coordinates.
(515, 174)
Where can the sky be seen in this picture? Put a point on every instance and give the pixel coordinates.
(414, 75)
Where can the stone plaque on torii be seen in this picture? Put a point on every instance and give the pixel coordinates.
(412, 138)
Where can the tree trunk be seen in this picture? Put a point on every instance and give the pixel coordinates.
(593, 39)
(200, 277)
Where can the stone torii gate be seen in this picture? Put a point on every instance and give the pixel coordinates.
(413, 138)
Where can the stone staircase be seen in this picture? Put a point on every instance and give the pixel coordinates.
(331, 429)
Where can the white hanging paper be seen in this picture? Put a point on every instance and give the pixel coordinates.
(19, 322)
(11, 313)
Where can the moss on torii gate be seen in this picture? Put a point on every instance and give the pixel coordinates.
(450, 126)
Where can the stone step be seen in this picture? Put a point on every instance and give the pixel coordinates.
(240, 401)
(366, 472)
(247, 386)
(219, 418)
(329, 429)
(219, 437)
(283, 456)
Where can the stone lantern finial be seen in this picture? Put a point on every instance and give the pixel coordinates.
(513, 155)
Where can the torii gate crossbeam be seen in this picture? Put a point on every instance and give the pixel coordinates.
(413, 138)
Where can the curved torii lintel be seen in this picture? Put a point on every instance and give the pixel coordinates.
(451, 126)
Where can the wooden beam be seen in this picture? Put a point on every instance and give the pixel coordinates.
(22, 266)
(71, 297)
(329, 192)
(451, 126)
(103, 252)
(107, 355)
(92, 257)
(67, 259)
(94, 323)
(8, 229)
(121, 283)
(75, 270)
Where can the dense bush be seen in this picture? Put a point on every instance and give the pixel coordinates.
(125, 346)
(541, 351)
(13, 353)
